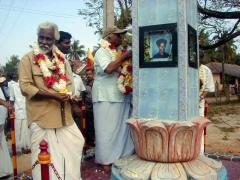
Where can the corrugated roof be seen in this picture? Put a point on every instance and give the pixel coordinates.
(229, 69)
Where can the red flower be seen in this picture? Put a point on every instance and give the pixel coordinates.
(128, 89)
(40, 56)
(120, 74)
(57, 70)
(129, 68)
(124, 51)
(112, 46)
(49, 81)
(60, 58)
(63, 77)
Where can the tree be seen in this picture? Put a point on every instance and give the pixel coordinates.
(220, 19)
(216, 18)
(12, 64)
(93, 13)
(236, 59)
(77, 51)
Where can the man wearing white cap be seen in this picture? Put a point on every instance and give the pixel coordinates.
(111, 107)
(6, 163)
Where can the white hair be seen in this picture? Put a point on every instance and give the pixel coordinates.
(49, 25)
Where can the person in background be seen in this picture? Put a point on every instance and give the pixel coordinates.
(5, 90)
(21, 125)
(45, 81)
(64, 45)
(6, 168)
(206, 85)
(79, 89)
(90, 135)
(111, 108)
(64, 42)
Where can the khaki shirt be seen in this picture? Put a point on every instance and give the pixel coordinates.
(46, 113)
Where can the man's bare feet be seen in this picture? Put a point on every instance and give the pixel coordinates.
(107, 168)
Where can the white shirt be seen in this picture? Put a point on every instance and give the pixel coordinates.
(209, 82)
(78, 85)
(3, 109)
(18, 99)
(105, 85)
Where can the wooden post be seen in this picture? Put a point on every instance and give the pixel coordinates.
(44, 159)
(14, 152)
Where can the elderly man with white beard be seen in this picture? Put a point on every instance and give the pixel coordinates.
(45, 81)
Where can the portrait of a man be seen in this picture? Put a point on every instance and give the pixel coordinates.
(158, 46)
(161, 44)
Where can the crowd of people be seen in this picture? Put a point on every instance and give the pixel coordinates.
(51, 101)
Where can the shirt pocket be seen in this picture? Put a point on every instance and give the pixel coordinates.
(37, 71)
(38, 77)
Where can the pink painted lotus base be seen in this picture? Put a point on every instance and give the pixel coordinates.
(168, 141)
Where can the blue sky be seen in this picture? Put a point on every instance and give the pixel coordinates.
(19, 20)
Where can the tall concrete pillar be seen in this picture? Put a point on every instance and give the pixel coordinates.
(166, 127)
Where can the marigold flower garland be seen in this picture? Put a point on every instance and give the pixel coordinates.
(124, 82)
(125, 79)
(54, 74)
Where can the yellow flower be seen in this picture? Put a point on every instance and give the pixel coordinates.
(63, 91)
(128, 78)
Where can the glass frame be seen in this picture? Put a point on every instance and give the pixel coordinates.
(150, 40)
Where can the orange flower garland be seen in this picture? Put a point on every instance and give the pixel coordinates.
(124, 82)
(54, 75)
(125, 79)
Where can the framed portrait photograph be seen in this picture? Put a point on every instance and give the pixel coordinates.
(158, 46)
(192, 47)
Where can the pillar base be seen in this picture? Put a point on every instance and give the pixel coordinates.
(134, 168)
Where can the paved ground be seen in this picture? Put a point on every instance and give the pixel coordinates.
(233, 169)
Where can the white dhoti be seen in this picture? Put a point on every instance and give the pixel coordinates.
(65, 147)
(5, 160)
(25, 135)
(113, 138)
(22, 134)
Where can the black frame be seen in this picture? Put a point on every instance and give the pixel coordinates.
(154, 29)
(192, 36)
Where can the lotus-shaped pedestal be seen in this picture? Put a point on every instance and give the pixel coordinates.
(168, 141)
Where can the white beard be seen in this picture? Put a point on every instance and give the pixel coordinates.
(45, 49)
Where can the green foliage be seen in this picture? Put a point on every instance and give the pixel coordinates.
(12, 64)
(211, 29)
(77, 51)
(93, 13)
(124, 18)
(218, 54)
(236, 59)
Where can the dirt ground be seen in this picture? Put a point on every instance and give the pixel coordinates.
(223, 135)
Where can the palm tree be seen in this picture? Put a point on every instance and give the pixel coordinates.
(12, 65)
(76, 51)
